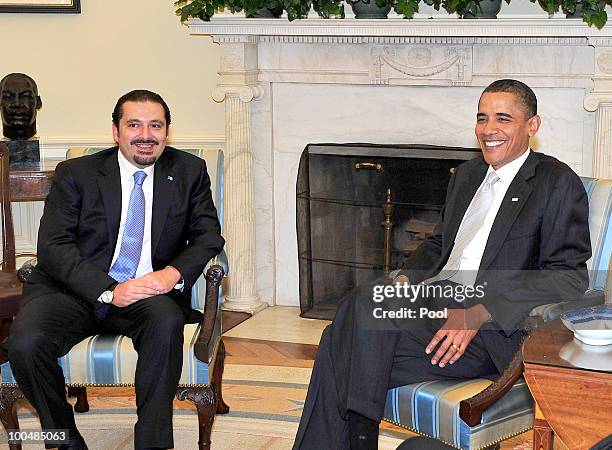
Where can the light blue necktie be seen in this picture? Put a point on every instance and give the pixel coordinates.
(127, 261)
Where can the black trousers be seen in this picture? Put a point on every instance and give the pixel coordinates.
(356, 365)
(49, 325)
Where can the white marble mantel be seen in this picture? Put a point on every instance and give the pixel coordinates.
(518, 27)
(287, 84)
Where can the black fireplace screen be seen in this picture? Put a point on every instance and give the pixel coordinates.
(348, 196)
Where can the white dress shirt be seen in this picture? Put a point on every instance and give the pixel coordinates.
(472, 254)
(127, 170)
(126, 173)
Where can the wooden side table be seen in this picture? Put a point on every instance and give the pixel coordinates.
(573, 403)
(31, 184)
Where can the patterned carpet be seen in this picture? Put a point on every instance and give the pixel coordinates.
(264, 415)
(265, 410)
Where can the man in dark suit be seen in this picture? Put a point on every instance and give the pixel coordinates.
(124, 235)
(514, 228)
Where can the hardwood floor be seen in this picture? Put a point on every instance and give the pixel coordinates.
(229, 319)
(269, 353)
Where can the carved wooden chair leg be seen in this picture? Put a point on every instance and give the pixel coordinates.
(8, 411)
(222, 408)
(81, 405)
(204, 400)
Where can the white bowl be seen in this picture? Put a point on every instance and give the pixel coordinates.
(592, 326)
(587, 356)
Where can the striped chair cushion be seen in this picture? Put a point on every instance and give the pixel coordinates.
(432, 408)
(111, 360)
(214, 165)
(599, 192)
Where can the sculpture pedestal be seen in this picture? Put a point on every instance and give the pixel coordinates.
(24, 154)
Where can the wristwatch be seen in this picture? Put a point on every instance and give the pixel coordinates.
(107, 296)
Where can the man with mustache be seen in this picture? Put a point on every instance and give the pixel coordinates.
(19, 101)
(103, 267)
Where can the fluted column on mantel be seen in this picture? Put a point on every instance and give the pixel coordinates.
(237, 88)
(599, 100)
(239, 208)
(602, 143)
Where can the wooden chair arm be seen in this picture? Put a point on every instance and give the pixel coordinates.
(6, 216)
(213, 276)
(471, 409)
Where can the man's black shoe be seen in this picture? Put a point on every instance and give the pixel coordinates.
(363, 432)
(424, 443)
(74, 443)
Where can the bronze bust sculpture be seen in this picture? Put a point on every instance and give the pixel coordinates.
(19, 101)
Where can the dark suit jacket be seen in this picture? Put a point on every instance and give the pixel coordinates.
(79, 227)
(536, 252)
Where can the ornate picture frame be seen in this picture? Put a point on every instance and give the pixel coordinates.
(40, 6)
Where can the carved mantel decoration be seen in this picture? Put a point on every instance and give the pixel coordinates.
(415, 81)
(451, 63)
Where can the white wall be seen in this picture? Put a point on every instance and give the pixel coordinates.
(83, 62)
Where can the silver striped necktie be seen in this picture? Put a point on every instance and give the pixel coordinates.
(472, 222)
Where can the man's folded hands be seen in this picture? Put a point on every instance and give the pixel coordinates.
(154, 283)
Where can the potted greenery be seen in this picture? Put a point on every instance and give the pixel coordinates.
(329, 9)
(205, 9)
(378, 9)
(485, 9)
(296, 9)
(592, 11)
(370, 9)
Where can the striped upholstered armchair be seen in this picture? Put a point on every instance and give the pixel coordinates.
(110, 360)
(478, 413)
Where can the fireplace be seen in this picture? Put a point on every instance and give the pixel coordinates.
(285, 85)
(347, 196)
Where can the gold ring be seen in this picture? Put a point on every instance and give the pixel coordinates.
(456, 347)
